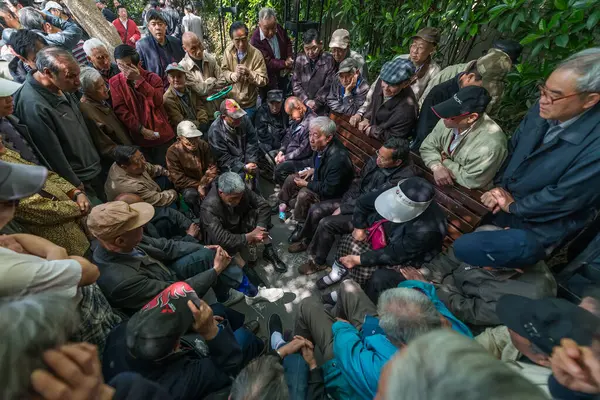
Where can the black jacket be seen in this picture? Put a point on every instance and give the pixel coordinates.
(334, 173)
(233, 150)
(414, 242)
(295, 144)
(169, 223)
(173, 21)
(270, 128)
(108, 14)
(17, 70)
(374, 178)
(427, 118)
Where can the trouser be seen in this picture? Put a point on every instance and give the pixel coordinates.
(287, 168)
(193, 200)
(157, 155)
(300, 199)
(94, 187)
(382, 280)
(296, 376)
(316, 213)
(202, 260)
(324, 237)
(314, 322)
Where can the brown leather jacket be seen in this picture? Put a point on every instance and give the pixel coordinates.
(187, 169)
(176, 111)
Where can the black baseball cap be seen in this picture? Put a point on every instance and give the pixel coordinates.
(18, 181)
(153, 332)
(471, 99)
(545, 322)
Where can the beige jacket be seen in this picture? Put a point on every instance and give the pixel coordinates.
(245, 92)
(476, 159)
(205, 82)
(144, 186)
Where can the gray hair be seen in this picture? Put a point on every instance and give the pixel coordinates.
(30, 326)
(52, 58)
(262, 379)
(266, 13)
(405, 314)
(88, 77)
(92, 44)
(586, 64)
(30, 18)
(231, 183)
(444, 365)
(324, 125)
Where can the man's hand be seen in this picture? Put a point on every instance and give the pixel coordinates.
(212, 172)
(312, 104)
(193, 230)
(8, 242)
(279, 158)
(242, 70)
(222, 260)
(250, 167)
(355, 119)
(235, 77)
(306, 174)
(352, 84)
(148, 134)
(503, 200)
(300, 182)
(292, 347)
(442, 175)
(131, 73)
(337, 211)
(412, 274)
(204, 322)
(360, 234)
(289, 63)
(490, 201)
(74, 373)
(202, 192)
(350, 261)
(364, 125)
(84, 203)
(576, 367)
(257, 235)
(308, 353)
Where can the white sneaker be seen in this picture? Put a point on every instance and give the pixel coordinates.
(270, 295)
(234, 297)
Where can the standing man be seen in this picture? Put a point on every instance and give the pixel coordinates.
(192, 22)
(276, 47)
(173, 19)
(339, 46)
(106, 12)
(126, 27)
(244, 67)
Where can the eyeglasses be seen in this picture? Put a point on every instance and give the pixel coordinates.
(544, 93)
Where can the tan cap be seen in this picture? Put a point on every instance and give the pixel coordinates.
(493, 66)
(188, 129)
(113, 219)
(340, 38)
(429, 34)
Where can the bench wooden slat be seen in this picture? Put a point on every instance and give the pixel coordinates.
(353, 149)
(354, 145)
(455, 220)
(369, 144)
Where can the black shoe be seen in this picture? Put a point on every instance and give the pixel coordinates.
(274, 325)
(270, 255)
(253, 326)
(295, 235)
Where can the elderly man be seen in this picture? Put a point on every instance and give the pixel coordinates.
(191, 165)
(328, 178)
(53, 119)
(466, 146)
(244, 67)
(130, 173)
(54, 30)
(271, 123)
(158, 49)
(329, 218)
(339, 46)
(98, 57)
(126, 27)
(106, 12)
(137, 97)
(276, 47)
(348, 90)
(203, 74)
(237, 219)
(393, 109)
(181, 103)
(294, 152)
(25, 44)
(480, 72)
(561, 137)
(312, 71)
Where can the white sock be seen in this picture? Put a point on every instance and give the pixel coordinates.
(334, 296)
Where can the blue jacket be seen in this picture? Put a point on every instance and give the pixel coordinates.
(555, 185)
(156, 58)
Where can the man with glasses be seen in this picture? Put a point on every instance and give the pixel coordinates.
(549, 185)
(329, 218)
(466, 146)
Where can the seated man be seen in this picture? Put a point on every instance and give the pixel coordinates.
(556, 204)
(470, 278)
(356, 338)
(348, 90)
(135, 268)
(478, 72)
(383, 171)
(330, 176)
(137, 98)
(237, 219)
(180, 342)
(339, 46)
(295, 152)
(181, 103)
(393, 109)
(232, 138)
(312, 71)
(271, 123)
(191, 165)
(130, 173)
(466, 146)
(99, 58)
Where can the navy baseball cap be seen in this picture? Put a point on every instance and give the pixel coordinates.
(397, 71)
(545, 322)
(505, 248)
(471, 99)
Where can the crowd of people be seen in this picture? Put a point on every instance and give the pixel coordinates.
(132, 183)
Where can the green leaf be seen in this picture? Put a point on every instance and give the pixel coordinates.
(535, 16)
(554, 21)
(593, 20)
(562, 40)
(461, 29)
(532, 37)
(515, 24)
(561, 4)
(497, 9)
(542, 25)
(474, 29)
(581, 4)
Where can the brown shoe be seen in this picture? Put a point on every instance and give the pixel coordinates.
(298, 247)
(310, 267)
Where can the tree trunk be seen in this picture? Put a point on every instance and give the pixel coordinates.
(91, 19)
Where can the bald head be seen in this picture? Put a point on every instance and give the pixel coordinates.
(192, 45)
(295, 108)
(129, 198)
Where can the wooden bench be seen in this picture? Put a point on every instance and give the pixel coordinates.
(461, 205)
